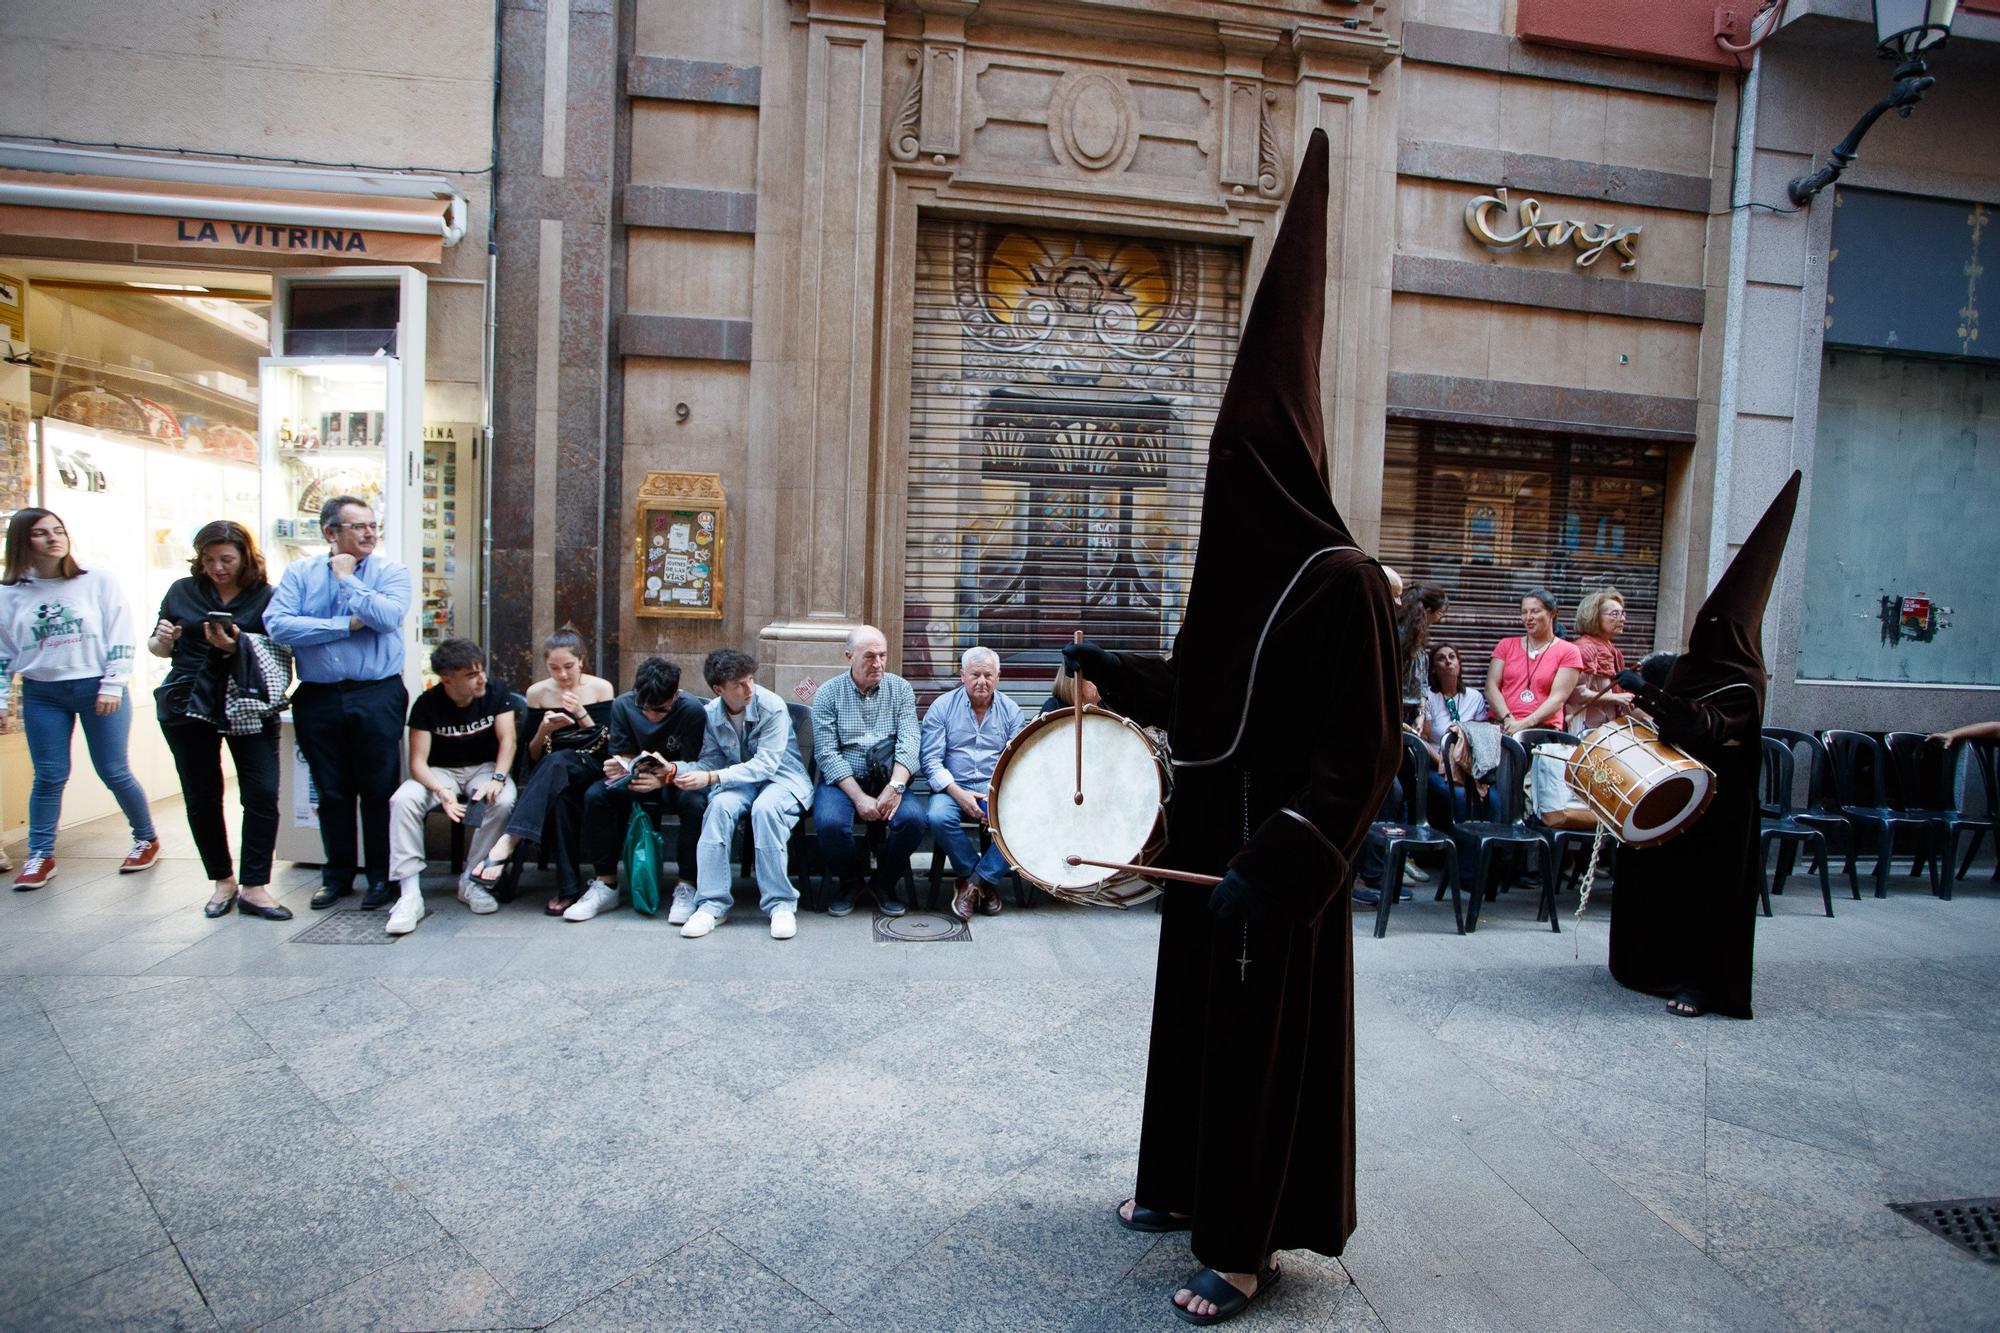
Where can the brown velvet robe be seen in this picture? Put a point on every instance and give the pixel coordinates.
(1249, 1119)
(1684, 912)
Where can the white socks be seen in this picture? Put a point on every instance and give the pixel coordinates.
(412, 886)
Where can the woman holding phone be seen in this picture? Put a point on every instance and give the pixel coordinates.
(67, 632)
(203, 620)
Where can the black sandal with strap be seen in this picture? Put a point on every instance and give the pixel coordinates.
(1151, 1219)
(1686, 1004)
(1223, 1294)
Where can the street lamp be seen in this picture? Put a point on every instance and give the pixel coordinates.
(1904, 29)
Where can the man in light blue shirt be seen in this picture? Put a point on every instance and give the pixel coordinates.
(750, 764)
(963, 734)
(342, 617)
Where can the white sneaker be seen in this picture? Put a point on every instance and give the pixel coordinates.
(784, 923)
(599, 897)
(704, 920)
(403, 917)
(1415, 874)
(479, 900)
(683, 907)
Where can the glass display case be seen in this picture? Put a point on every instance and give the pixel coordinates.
(133, 506)
(447, 523)
(327, 424)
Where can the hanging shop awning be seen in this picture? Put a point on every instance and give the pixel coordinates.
(140, 200)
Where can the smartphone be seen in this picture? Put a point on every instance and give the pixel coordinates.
(220, 618)
(475, 813)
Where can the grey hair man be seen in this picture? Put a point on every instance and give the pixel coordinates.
(963, 734)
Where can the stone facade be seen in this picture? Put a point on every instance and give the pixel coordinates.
(750, 212)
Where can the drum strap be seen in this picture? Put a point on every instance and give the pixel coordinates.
(1250, 686)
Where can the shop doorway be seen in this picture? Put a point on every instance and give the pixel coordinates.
(1487, 515)
(1063, 386)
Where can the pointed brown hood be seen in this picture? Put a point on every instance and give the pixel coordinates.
(1266, 508)
(1727, 644)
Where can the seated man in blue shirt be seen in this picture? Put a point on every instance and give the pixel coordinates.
(865, 743)
(342, 617)
(963, 734)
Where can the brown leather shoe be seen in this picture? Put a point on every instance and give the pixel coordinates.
(989, 900)
(963, 895)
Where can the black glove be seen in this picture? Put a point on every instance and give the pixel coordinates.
(1236, 898)
(1089, 659)
(1631, 682)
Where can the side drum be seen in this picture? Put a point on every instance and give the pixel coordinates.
(1641, 788)
(1036, 820)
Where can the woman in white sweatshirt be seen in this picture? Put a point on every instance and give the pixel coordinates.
(69, 636)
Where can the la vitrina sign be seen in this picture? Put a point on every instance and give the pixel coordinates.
(1496, 221)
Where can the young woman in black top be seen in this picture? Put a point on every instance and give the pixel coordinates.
(226, 576)
(568, 713)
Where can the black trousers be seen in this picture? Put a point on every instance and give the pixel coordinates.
(197, 750)
(549, 812)
(352, 737)
(606, 811)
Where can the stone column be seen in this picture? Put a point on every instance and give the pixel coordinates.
(813, 442)
(1342, 89)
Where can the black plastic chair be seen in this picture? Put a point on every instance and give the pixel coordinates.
(1778, 823)
(1477, 839)
(1398, 838)
(1923, 780)
(1821, 808)
(1860, 776)
(1984, 757)
(1563, 839)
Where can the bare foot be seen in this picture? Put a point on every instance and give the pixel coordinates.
(258, 895)
(1130, 1206)
(225, 891)
(1196, 1305)
(558, 905)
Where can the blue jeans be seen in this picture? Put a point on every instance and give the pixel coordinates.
(773, 811)
(49, 710)
(949, 836)
(833, 825)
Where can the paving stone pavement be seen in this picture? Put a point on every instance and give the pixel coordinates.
(511, 1122)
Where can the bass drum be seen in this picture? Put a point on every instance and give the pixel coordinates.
(1035, 819)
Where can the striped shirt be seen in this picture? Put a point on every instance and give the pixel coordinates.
(846, 722)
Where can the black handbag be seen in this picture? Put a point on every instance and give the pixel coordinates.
(591, 742)
(878, 766)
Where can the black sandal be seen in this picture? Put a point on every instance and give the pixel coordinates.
(1223, 1294)
(488, 863)
(550, 908)
(1686, 1004)
(1151, 1219)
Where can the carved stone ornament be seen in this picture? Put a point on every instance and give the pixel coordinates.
(905, 131)
(1270, 163)
(1094, 121)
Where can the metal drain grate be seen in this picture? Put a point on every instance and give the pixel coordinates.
(346, 926)
(921, 928)
(1971, 1224)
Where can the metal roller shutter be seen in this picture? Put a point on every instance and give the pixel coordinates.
(1063, 387)
(1488, 515)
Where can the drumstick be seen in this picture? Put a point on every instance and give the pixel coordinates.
(1076, 685)
(1151, 872)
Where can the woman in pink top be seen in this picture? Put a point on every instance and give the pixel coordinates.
(1600, 619)
(1530, 678)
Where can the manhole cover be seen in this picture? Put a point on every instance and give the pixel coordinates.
(920, 928)
(1971, 1224)
(346, 926)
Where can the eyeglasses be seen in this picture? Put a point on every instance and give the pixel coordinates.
(357, 527)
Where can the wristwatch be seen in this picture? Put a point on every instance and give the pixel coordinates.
(900, 787)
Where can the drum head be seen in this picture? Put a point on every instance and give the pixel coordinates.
(1033, 809)
(1667, 807)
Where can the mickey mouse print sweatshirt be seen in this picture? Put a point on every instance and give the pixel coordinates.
(65, 629)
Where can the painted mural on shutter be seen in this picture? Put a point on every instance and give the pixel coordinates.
(1063, 387)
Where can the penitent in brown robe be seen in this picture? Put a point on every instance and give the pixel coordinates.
(1280, 702)
(1684, 912)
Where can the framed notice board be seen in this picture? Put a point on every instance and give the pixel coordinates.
(680, 534)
